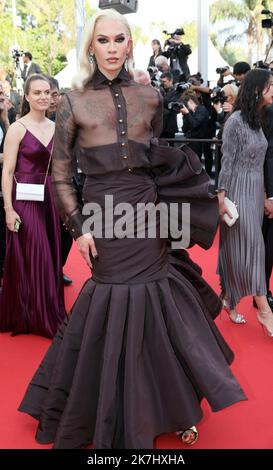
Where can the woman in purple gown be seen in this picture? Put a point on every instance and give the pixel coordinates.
(32, 297)
(140, 348)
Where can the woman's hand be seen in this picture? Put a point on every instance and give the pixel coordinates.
(268, 208)
(85, 244)
(11, 217)
(223, 210)
(227, 107)
(222, 207)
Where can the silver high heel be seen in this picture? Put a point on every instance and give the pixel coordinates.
(239, 319)
(188, 436)
(261, 318)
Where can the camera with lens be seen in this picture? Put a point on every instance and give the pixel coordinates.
(267, 23)
(178, 31)
(16, 54)
(153, 76)
(261, 65)
(176, 106)
(222, 70)
(218, 96)
(183, 86)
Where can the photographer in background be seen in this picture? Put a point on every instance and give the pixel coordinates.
(195, 122)
(223, 101)
(224, 72)
(203, 94)
(162, 65)
(178, 53)
(171, 105)
(29, 67)
(240, 70)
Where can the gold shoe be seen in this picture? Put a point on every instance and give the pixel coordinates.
(262, 316)
(189, 436)
(239, 319)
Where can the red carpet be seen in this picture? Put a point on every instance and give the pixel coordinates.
(247, 425)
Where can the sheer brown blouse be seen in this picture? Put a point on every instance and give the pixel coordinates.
(111, 123)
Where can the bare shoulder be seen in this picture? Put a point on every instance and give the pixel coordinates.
(16, 131)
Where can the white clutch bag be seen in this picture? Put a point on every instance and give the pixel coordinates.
(30, 192)
(231, 206)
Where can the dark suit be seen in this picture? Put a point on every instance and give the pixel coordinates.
(34, 68)
(169, 116)
(195, 126)
(268, 176)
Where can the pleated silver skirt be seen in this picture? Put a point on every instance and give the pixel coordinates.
(241, 261)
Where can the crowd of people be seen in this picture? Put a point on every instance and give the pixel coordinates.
(145, 302)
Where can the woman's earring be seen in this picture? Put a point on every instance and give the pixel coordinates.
(91, 59)
(126, 63)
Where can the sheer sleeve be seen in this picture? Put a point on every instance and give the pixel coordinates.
(230, 149)
(63, 164)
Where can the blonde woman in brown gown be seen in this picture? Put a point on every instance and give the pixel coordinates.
(140, 349)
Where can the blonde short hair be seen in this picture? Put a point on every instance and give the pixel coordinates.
(231, 89)
(86, 69)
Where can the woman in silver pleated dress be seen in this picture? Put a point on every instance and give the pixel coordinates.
(241, 263)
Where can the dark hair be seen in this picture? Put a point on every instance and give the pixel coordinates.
(28, 54)
(156, 41)
(29, 80)
(167, 75)
(250, 97)
(241, 68)
(188, 97)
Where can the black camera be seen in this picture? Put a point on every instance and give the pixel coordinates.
(178, 31)
(153, 76)
(268, 22)
(222, 69)
(218, 96)
(261, 65)
(176, 106)
(183, 86)
(15, 54)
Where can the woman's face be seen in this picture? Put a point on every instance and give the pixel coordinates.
(155, 46)
(268, 93)
(111, 44)
(39, 95)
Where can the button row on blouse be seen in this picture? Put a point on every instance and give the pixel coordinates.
(122, 132)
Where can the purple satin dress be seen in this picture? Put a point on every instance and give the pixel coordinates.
(32, 298)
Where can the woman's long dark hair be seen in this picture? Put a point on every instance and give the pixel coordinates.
(29, 80)
(250, 97)
(160, 50)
